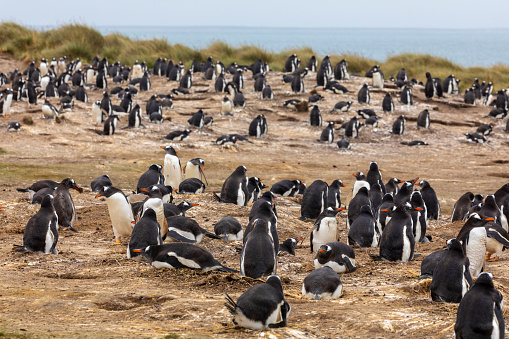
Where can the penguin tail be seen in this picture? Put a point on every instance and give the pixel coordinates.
(227, 269)
(216, 197)
(212, 235)
(425, 276)
(317, 296)
(19, 248)
(69, 227)
(25, 190)
(225, 237)
(230, 304)
(376, 257)
(303, 218)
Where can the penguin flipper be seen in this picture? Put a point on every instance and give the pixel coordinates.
(25, 190)
(231, 306)
(348, 263)
(227, 269)
(175, 235)
(20, 248)
(425, 276)
(494, 234)
(375, 257)
(216, 197)
(211, 235)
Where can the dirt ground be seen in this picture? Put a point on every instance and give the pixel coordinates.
(90, 289)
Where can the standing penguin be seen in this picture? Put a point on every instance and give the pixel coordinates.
(97, 114)
(327, 135)
(258, 257)
(388, 104)
(145, 84)
(392, 186)
(106, 106)
(315, 117)
(41, 233)
(398, 127)
(462, 207)
(473, 238)
(480, 311)
(378, 78)
(267, 93)
(195, 169)
(374, 176)
(145, 233)
(234, 188)
(258, 127)
(490, 209)
(172, 169)
(334, 196)
(325, 228)
(337, 255)
(407, 97)
(364, 96)
(359, 182)
(397, 241)
(314, 200)
(100, 80)
(110, 124)
(135, 117)
(121, 214)
(64, 205)
(152, 176)
(322, 283)
(419, 215)
(383, 217)
(355, 205)
(423, 119)
(362, 230)
(197, 119)
(451, 275)
(298, 84)
(429, 88)
(261, 306)
(312, 64)
(226, 106)
(405, 192)
(430, 198)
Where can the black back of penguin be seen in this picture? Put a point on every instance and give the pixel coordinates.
(228, 228)
(363, 231)
(354, 207)
(234, 188)
(145, 233)
(374, 176)
(334, 195)
(398, 127)
(322, 283)
(314, 200)
(258, 257)
(423, 119)
(98, 183)
(388, 104)
(430, 199)
(327, 135)
(258, 126)
(315, 117)
(462, 207)
(364, 96)
(397, 241)
(152, 176)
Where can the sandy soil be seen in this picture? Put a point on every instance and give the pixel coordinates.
(90, 289)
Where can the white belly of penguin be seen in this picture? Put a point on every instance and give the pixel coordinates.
(171, 171)
(357, 186)
(157, 206)
(494, 247)
(464, 283)
(495, 333)
(193, 171)
(240, 196)
(418, 228)
(326, 233)
(49, 239)
(406, 246)
(476, 249)
(121, 215)
(377, 81)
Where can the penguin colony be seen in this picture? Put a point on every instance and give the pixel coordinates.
(392, 216)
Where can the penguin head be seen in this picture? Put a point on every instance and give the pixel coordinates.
(47, 201)
(69, 183)
(324, 251)
(155, 167)
(169, 150)
(485, 278)
(373, 166)
(366, 209)
(360, 176)
(454, 245)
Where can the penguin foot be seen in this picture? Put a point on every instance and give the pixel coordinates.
(117, 242)
(488, 255)
(494, 258)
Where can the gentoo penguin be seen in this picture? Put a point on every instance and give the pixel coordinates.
(341, 106)
(197, 119)
(498, 240)
(392, 186)
(97, 113)
(378, 78)
(374, 176)
(194, 169)
(315, 98)
(64, 205)
(14, 126)
(172, 169)
(191, 186)
(359, 182)
(430, 262)
(397, 241)
(502, 199)
(265, 210)
(354, 207)
(407, 97)
(327, 135)
(152, 176)
(314, 200)
(37, 186)
(375, 195)
(220, 83)
(480, 311)
(337, 255)
(100, 79)
(298, 84)
(106, 106)
(286, 188)
(180, 209)
(364, 96)
(312, 64)
(187, 230)
(226, 106)
(484, 129)
(473, 238)
(334, 196)
(238, 78)
(258, 257)
(226, 140)
(261, 306)
(405, 192)
(429, 88)
(234, 188)
(98, 183)
(398, 127)
(291, 63)
(254, 188)
(49, 111)
(6, 101)
(135, 117)
(259, 84)
(462, 207)
(229, 228)
(157, 196)
(343, 144)
(121, 214)
(267, 93)
(469, 96)
(179, 135)
(388, 104)
(145, 233)
(41, 233)
(110, 124)
(430, 198)
(325, 228)
(362, 231)
(419, 215)
(497, 113)
(353, 127)
(451, 275)
(289, 245)
(490, 209)
(322, 283)
(182, 255)
(81, 94)
(476, 138)
(258, 127)
(423, 119)
(315, 117)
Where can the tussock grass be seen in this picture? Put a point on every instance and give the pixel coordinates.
(77, 40)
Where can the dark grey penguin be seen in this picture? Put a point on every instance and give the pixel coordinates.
(98, 183)
(312, 64)
(64, 205)
(258, 127)
(254, 188)
(327, 135)
(429, 263)
(375, 195)
(187, 230)
(289, 245)
(423, 120)
(398, 127)
(397, 241)
(383, 212)
(490, 209)
(405, 192)
(180, 209)
(197, 119)
(430, 198)
(334, 196)
(322, 283)
(429, 88)
(41, 234)
(341, 106)
(182, 255)
(234, 188)
(286, 188)
(265, 210)
(388, 104)
(337, 255)
(192, 186)
(229, 228)
(354, 207)
(258, 257)
(343, 144)
(145, 233)
(462, 207)
(261, 306)
(315, 117)
(363, 231)
(451, 275)
(152, 176)
(406, 96)
(110, 124)
(314, 200)
(419, 215)
(37, 186)
(480, 311)
(297, 84)
(364, 96)
(392, 186)
(374, 176)
(325, 229)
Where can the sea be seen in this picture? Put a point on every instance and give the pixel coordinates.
(466, 47)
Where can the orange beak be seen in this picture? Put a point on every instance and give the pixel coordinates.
(195, 205)
(489, 219)
(99, 195)
(415, 180)
(386, 211)
(162, 147)
(143, 190)
(418, 209)
(340, 209)
(138, 251)
(355, 175)
(321, 251)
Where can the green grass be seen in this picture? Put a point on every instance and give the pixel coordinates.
(77, 40)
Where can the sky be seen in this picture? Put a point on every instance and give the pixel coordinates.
(450, 14)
